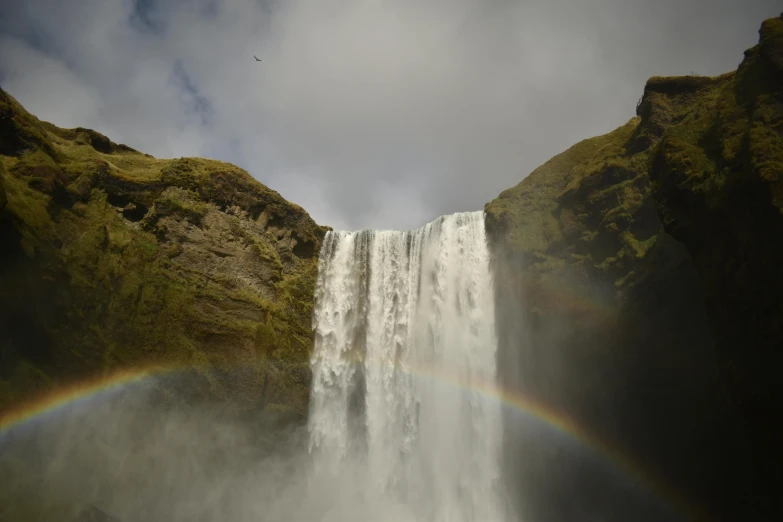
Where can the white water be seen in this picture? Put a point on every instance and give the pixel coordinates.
(405, 341)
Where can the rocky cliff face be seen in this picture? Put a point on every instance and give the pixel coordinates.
(639, 286)
(114, 260)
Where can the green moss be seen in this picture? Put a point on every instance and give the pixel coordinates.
(20, 131)
(700, 134)
(115, 259)
(189, 208)
(528, 211)
(295, 300)
(30, 208)
(636, 248)
(3, 196)
(679, 85)
(771, 41)
(140, 307)
(262, 247)
(765, 143)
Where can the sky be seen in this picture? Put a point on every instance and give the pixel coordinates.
(368, 113)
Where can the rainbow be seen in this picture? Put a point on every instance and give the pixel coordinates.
(82, 391)
(567, 426)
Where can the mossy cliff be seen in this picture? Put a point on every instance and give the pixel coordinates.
(111, 260)
(639, 283)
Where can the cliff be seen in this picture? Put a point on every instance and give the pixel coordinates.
(112, 260)
(639, 286)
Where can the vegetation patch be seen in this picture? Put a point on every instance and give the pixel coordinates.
(115, 260)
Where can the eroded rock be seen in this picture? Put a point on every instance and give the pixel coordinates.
(117, 260)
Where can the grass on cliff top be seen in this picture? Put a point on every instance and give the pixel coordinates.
(20, 130)
(77, 150)
(526, 209)
(732, 130)
(687, 106)
(703, 136)
(138, 167)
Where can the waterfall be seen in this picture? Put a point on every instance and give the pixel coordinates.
(401, 422)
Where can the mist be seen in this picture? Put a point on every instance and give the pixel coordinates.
(640, 375)
(134, 458)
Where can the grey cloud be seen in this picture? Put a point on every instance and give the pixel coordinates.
(366, 113)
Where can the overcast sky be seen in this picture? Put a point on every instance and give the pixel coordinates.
(368, 113)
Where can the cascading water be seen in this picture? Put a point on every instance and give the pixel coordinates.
(405, 344)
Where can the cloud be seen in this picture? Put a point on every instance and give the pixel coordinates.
(366, 113)
(40, 82)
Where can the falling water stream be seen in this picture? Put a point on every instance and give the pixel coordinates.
(405, 341)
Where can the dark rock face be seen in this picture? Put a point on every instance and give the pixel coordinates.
(729, 219)
(638, 289)
(114, 261)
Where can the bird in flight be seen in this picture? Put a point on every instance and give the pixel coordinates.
(257, 58)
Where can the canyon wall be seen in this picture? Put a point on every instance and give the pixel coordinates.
(639, 289)
(113, 260)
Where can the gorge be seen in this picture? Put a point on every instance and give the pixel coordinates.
(632, 282)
